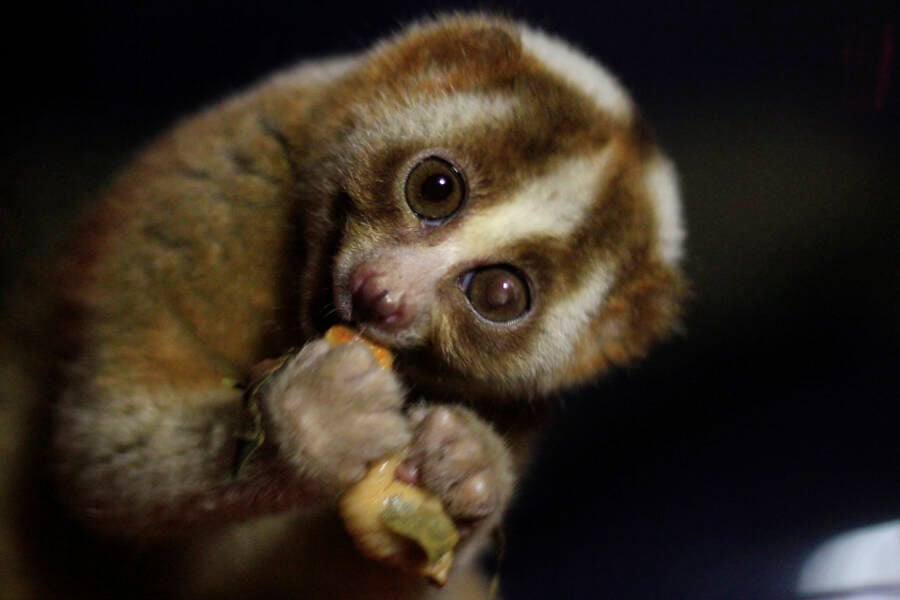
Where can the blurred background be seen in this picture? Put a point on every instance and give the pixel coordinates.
(715, 467)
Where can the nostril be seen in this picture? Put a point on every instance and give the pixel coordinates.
(360, 277)
(369, 292)
(372, 300)
(385, 306)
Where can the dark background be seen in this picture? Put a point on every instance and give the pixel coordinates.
(712, 469)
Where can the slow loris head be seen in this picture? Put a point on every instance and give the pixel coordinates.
(505, 218)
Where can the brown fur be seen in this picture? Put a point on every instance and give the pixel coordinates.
(215, 250)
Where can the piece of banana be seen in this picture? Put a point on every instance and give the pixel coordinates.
(392, 521)
(399, 524)
(341, 334)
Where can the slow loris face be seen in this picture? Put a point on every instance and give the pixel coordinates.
(506, 215)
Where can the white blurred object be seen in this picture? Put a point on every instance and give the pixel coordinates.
(863, 564)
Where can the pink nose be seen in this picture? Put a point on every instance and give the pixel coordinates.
(374, 302)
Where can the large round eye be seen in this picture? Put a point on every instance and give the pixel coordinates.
(435, 189)
(497, 293)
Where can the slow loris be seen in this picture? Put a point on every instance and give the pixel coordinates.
(472, 193)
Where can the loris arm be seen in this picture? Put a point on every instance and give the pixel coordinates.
(157, 459)
(141, 463)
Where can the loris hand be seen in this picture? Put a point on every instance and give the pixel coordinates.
(332, 409)
(458, 457)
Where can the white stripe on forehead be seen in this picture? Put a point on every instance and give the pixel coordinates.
(579, 71)
(436, 118)
(552, 205)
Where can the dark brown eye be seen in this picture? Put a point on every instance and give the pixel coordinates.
(435, 189)
(497, 293)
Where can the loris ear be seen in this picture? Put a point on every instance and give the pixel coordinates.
(642, 309)
(458, 52)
